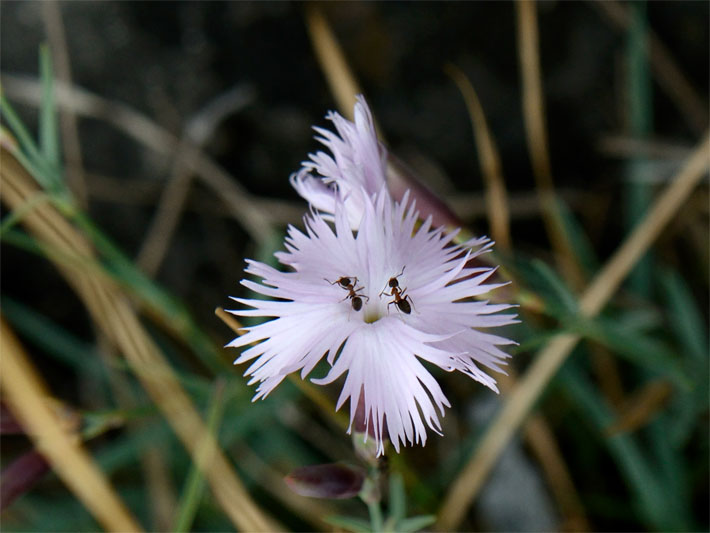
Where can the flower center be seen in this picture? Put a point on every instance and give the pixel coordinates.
(372, 314)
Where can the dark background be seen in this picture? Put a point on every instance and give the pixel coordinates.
(169, 60)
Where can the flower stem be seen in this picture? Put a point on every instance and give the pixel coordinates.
(375, 515)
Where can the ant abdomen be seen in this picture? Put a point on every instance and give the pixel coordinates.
(349, 284)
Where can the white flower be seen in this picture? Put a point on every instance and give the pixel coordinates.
(355, 170)
(358, 324)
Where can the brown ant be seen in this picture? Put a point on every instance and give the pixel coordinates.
(345, 282)
(403, 301)
(349, 283)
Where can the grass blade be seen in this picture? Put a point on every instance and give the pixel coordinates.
(652, 501)
(195, 483)
(48, 130)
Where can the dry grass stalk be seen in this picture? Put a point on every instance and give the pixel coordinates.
(536, 130)
(341, 80)
(174, 198)
(27, 397)
(550, 358)
(543, 444)
(115, 317)
(665, 69)
(150, 135)
(168, 213)
(536, 430)
(496, 194)
(641, 407)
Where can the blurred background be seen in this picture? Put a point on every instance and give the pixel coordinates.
(179, 126)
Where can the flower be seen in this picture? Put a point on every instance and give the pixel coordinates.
(376, 303)
(356, 168)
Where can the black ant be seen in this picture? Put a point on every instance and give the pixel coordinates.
(401, 300)
(348, 283)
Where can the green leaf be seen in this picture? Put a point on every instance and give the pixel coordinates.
(576, 236)
(652, 501)
(633, 346)
(415, 523)
(685, 317)
(542, 280)
(356, 525)
(173, 312)
(398, 498)
(48, 130)
(98, 423)
(639, 192)
(195, 484)
(53, 339)
(127, 448)
(25, 140)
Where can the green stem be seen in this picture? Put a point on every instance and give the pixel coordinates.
(375, 516)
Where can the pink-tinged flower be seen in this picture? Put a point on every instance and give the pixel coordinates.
(377, 303)
(356, 168)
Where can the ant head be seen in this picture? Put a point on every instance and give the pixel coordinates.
(394, 282)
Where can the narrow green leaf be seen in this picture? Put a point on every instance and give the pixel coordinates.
(55, 340)
(127, 448)
(633, 346)
(546, 283)
(48, 130)
(34, 166)
(174, 313)
(98, 423)
(27, 144)
(398, 498)
(673, 468)
(638, 193)
(195, 484)
(685, 317)
(415, 523)
(651, 499)
(577, 237)
(688, 410)
(356, 525)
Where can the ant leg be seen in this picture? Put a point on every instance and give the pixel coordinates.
(385, 293)
(407, 297)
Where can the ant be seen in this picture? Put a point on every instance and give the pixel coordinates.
(403, 302)
(349, 283)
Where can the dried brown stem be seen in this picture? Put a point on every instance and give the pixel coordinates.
(339, 75)
(496, 195)
(536, 130)
(27, 397)
(550, 358)
(665, 69)
(152, 136)
(113, 313)
(175, 192)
